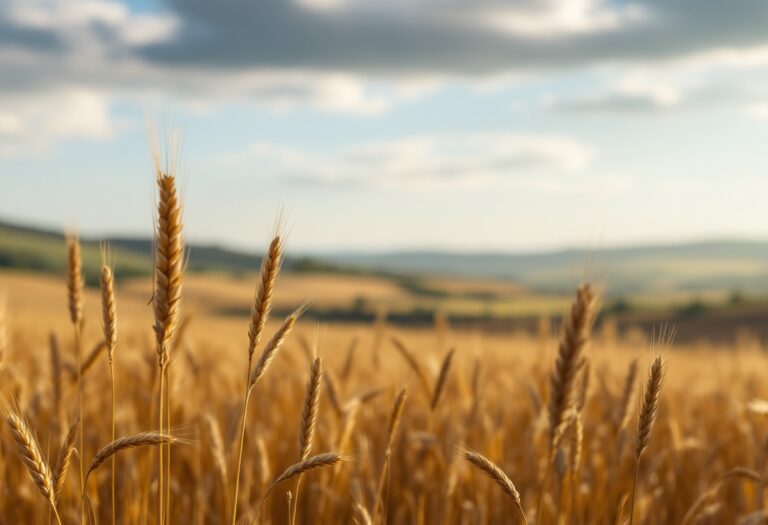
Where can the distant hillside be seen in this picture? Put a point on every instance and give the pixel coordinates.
(37, 249)
(728, 266)
(689, 267)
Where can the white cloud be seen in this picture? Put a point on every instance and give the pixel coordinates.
(471, 160)
(30, 123)
(554, 19)
(759, 110)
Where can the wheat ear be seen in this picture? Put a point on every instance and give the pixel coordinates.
(168, 264)
(313, 462)
(298, 469)
(74, 280)
(64, 459)
(349, 360)
(397, 415)
(563, 396)
(442, 379)
(410, 359)
(55, 355)
(108, 308)
(569, 358)
(274, 345)
(217, 446)
(624, 413)
(309, 410)
(650, 408)
(262, 301)
(142, 439)
(493, 471)
(32, 457)
(308, 420)
(646, 420)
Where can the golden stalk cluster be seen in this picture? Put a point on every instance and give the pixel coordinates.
(493, 432)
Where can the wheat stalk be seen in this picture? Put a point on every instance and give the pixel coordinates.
(624, 413)
(168, 273)
(395, 417)
(217, 446)
(646, 420)
(569, 358)
(410, 359)
(650, 408)
(74, 280)
(299, 469)
(365, 517)
(142, 439)
(267, 355)
(168, 264)
(262, 301)
(75, 299)
(3, 329)
(333, 394)
(494, 472)
(55, 356)
(738, 473)
(308, 424)
(349, 360)
(570, 362)
(442, 378)
(309, 410)
(109, 327)
(64, 460)
(311, 463)
(32, 457)
(274, 345)
(108, 308)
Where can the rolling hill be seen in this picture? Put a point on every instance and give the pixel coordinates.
(703, 266)
(724, 266)
(43, 250)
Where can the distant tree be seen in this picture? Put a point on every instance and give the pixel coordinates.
(359, 304)
(736, 298)
(694, 308)
(619, 305)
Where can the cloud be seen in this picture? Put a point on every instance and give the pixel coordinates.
(26, 124)
(358, 57)
(471, 160)
(628, 97)
(758, 111)
(450, 36)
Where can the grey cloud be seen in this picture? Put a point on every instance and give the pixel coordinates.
(614, 103)
(13, 35)
(437, 36)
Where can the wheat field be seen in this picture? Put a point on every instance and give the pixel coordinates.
(121, 410)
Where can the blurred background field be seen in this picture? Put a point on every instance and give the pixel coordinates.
(715, 291)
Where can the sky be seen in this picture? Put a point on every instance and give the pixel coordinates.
(505, 125)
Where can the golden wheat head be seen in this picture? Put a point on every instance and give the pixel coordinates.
(262, 302)
(576, 329)
(168, 264)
